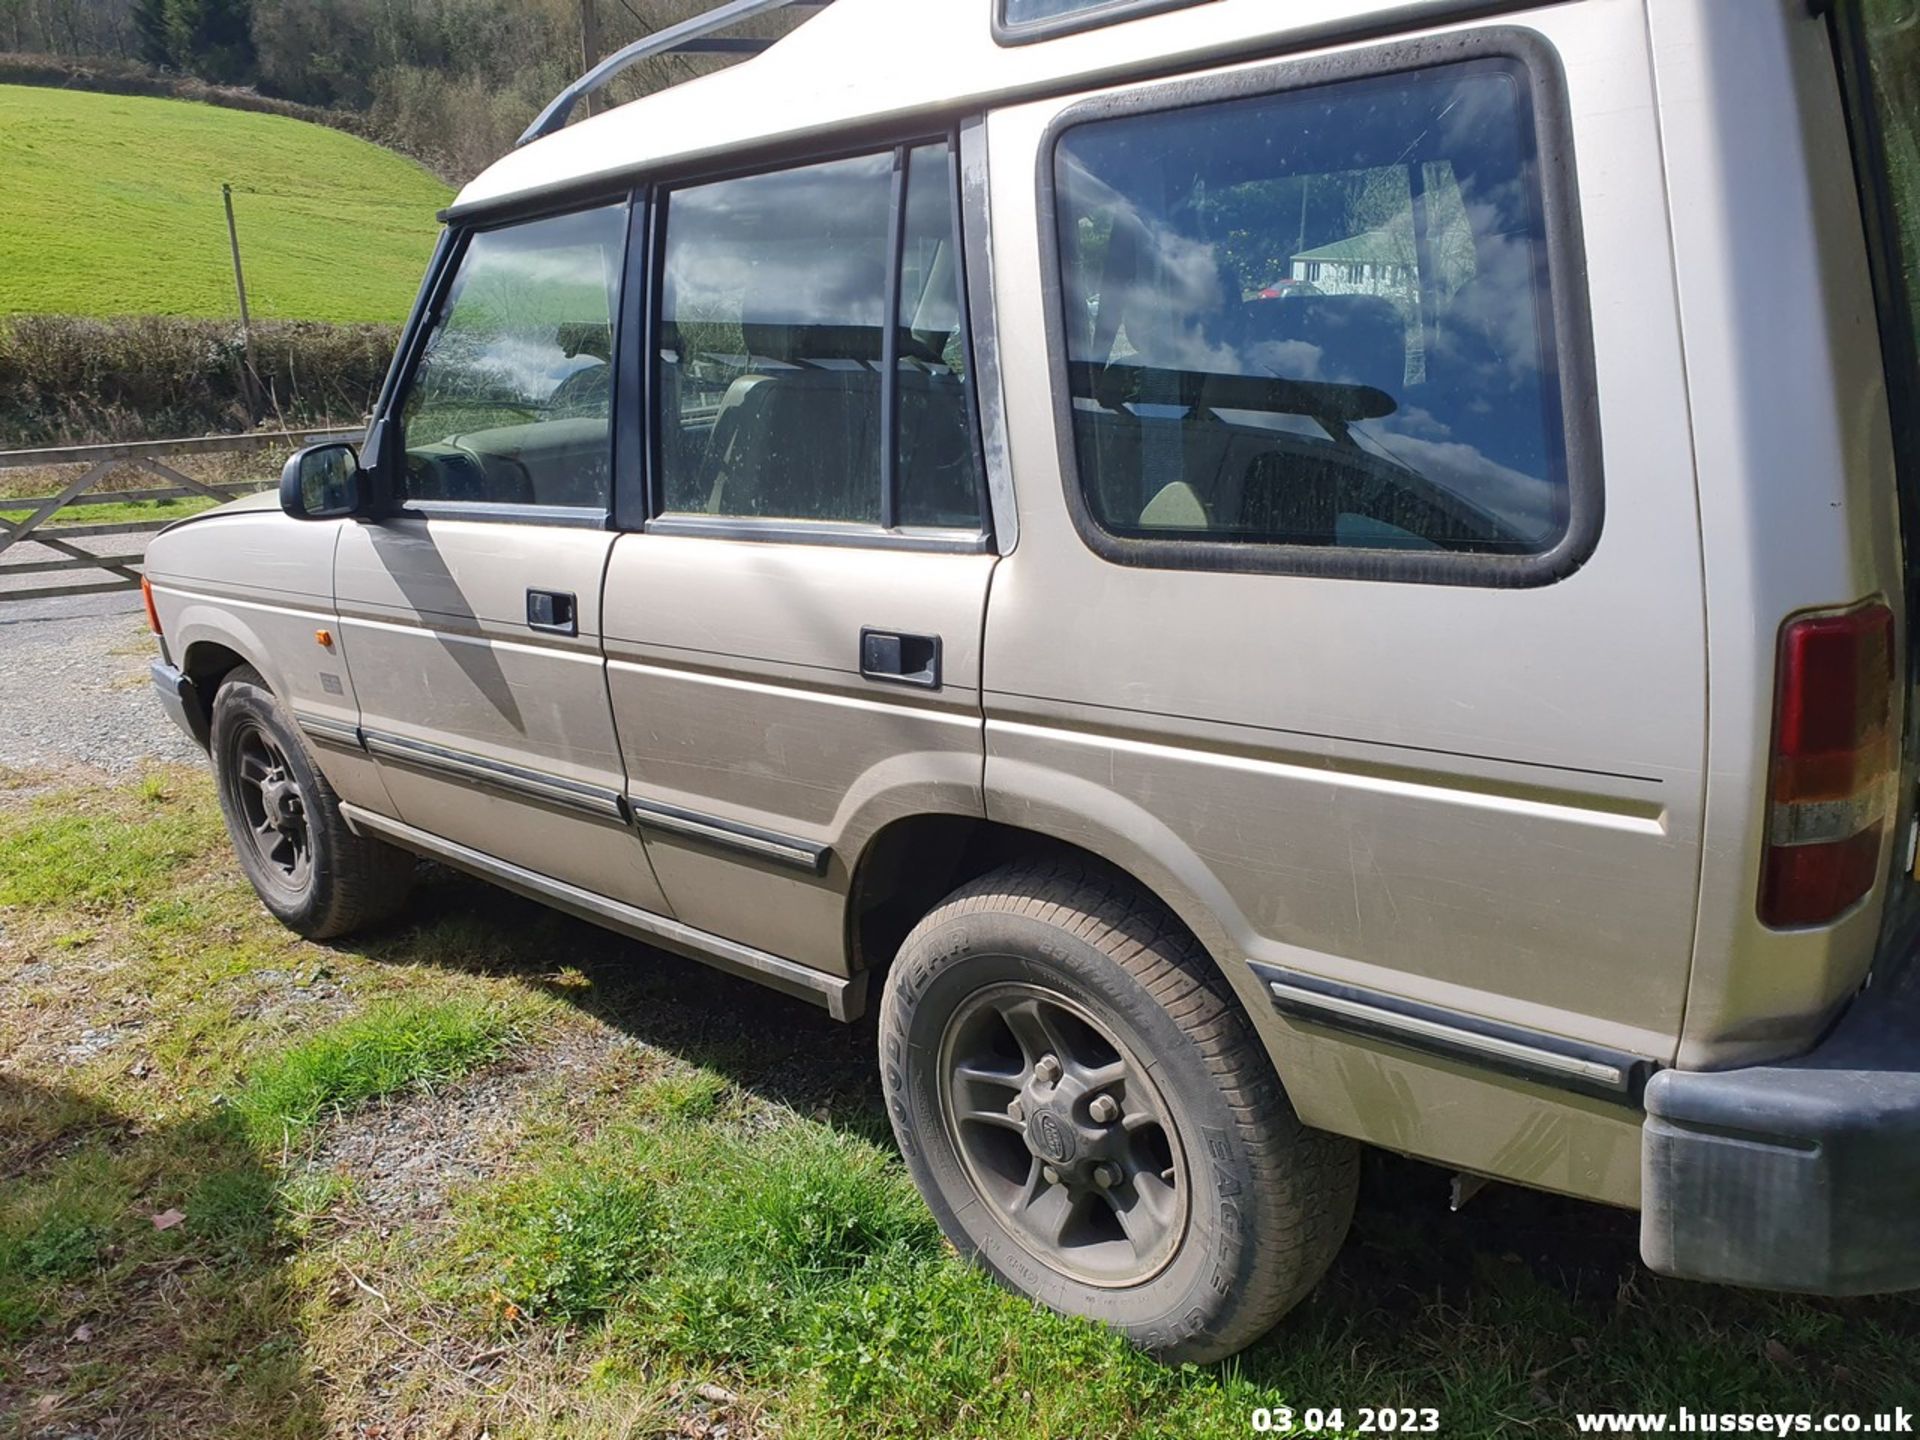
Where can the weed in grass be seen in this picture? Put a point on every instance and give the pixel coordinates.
(54, 1232)
(394, 1046)
(62, 1243)
(568, 1245)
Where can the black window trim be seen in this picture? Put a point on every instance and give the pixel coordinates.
(1093, 17)
(385, 437)
(1569, 316)
(641, 506)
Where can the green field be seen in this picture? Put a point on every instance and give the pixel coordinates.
(112, 207)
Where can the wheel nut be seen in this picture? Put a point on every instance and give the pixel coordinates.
(1104, 1110)
(1106, 1176)
(1015, 1110)
(1047, 1070)
(1050, 1175)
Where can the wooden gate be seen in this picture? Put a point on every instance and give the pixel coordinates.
(94, 464)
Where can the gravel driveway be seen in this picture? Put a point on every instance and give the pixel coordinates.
(74, 693)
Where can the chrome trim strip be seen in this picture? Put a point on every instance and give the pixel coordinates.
(1634, 816)
(983, 324)
(581, 516)
(843, 997)
(767, 844)
(818, 532)
(329, 732)
(909, 700)
(594, 800)
(1529, 1054)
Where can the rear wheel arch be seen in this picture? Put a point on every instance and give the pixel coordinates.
(912, 864)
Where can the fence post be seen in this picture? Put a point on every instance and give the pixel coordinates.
(249, 379)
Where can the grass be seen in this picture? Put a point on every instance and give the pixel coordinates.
(113, 207)
(494, 1171)
(80, 859)
(392, 1047)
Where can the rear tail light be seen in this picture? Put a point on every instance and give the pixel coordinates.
(146, 594)
(1833, 762)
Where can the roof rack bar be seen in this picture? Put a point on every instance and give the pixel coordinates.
(688, 36)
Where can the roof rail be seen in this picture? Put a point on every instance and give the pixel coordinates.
(695, 36)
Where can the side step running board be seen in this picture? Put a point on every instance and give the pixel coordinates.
(843, 997)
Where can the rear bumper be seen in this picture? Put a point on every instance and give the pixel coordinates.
(1803, 1175)
(180, 698)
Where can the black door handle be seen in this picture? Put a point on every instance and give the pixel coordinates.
(553, 610)
(900, 659)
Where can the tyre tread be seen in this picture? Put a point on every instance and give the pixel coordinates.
(368, 879)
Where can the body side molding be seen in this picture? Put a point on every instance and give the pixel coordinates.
(1510, 1049)
(328, 731)
(594, 800)
(748, 839)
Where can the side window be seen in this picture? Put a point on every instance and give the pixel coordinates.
(511, 399)
(775, 343)
(772, 324)
(1318, 319)
(937, 477)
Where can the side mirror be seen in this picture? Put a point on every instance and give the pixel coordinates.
(323, 482)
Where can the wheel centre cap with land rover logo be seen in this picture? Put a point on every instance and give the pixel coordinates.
(1051, 1138)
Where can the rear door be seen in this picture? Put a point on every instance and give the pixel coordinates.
(793, 641)
(470, 616)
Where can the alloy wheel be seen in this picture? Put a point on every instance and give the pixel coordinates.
(1064, 1135)
(272, 806)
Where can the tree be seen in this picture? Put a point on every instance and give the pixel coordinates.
(152, 32)
(209, 38)
(219, 39)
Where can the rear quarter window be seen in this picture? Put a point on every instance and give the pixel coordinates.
(1315, 329)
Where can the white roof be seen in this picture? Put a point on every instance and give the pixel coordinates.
(897, 60)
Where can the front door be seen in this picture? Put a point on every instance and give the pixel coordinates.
(793, 644)
(470, 617)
